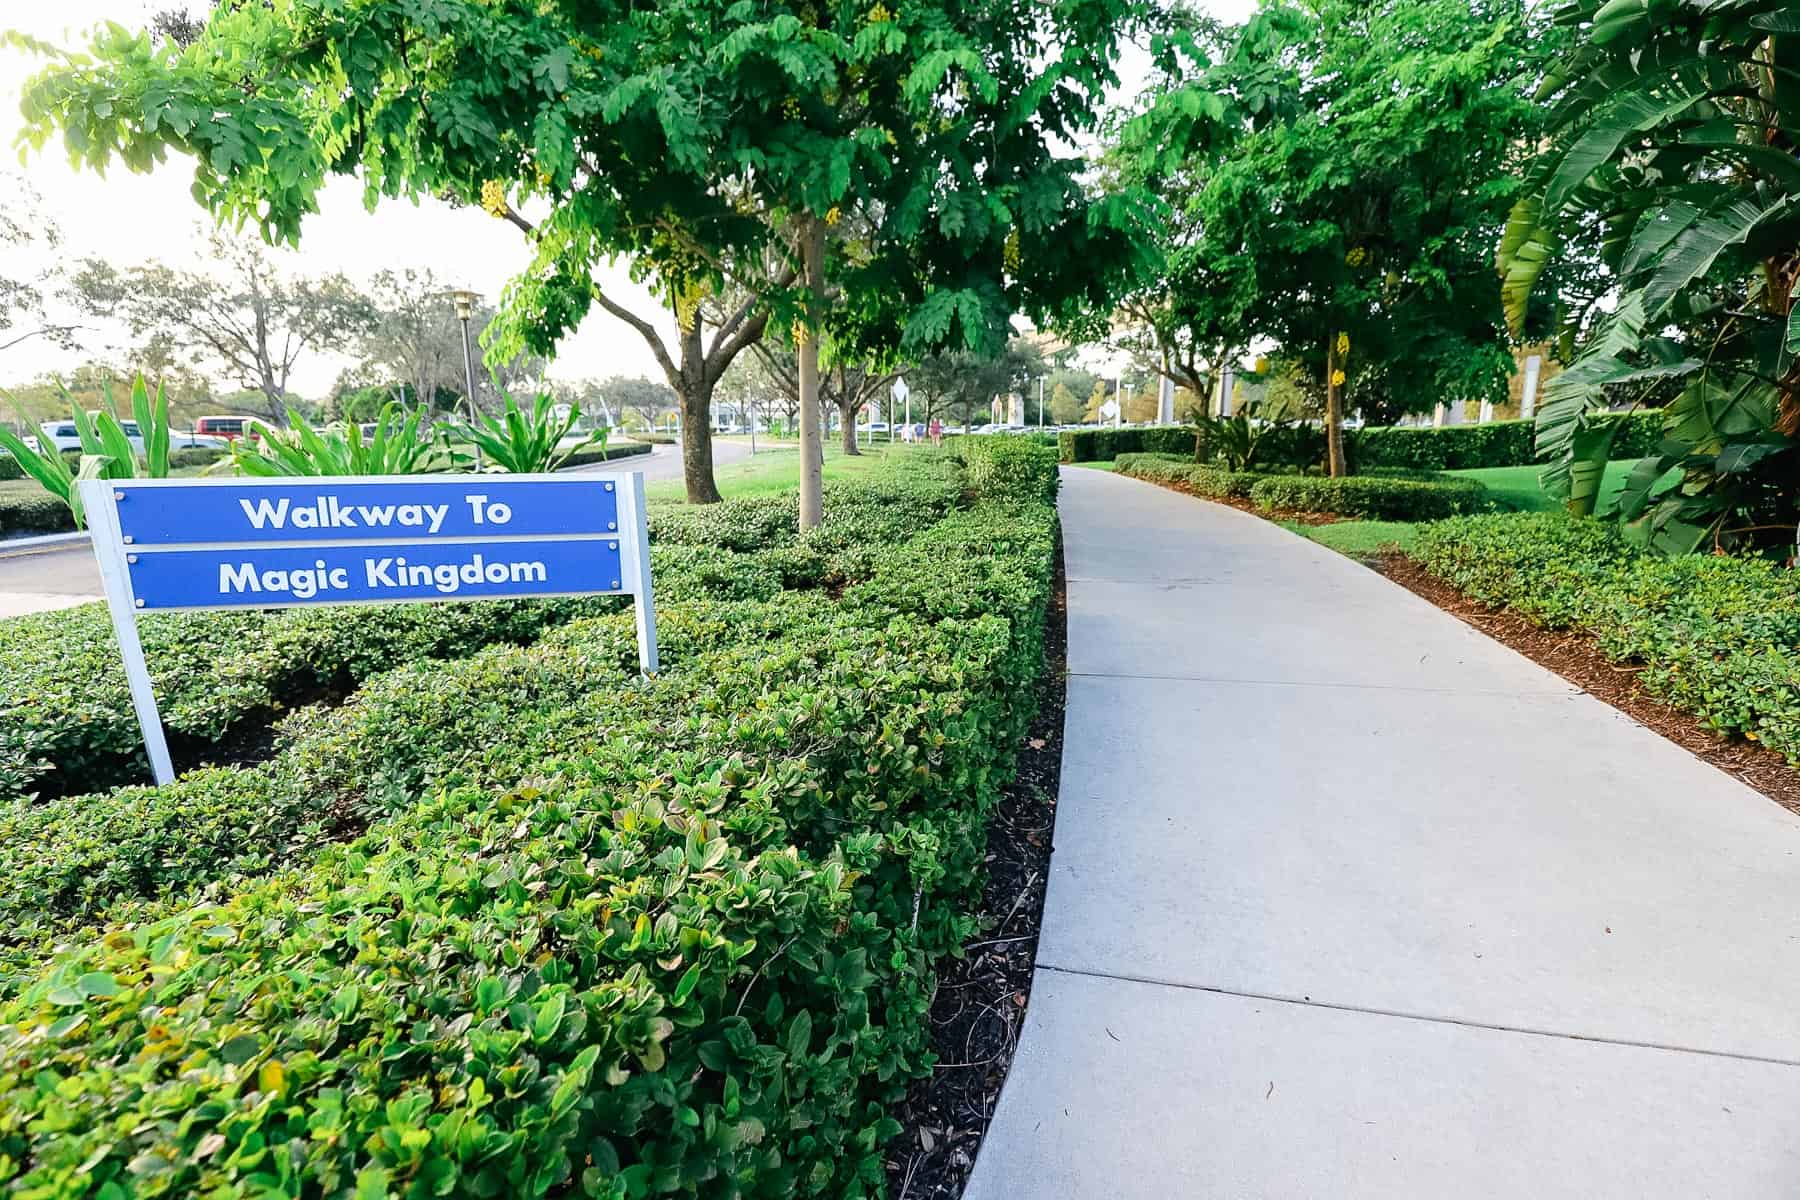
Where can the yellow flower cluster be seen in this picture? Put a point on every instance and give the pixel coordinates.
(833, 215)
(801, 334)
(879, 15)
(790, 108)
(493, 198)
(1338, 378)
(1011, 256)
(687, 304)
(1343, 343)
(1357, 256)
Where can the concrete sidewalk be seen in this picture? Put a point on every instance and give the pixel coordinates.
(1349, 900)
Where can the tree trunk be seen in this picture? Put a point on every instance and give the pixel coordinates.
(696, 441)
(1335, 464)
(812, 443)
(847, 416)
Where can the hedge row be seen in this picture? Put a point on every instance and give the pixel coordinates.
(1452, 448)
(1714, 635)
(1101, 445)
(599, 454)
(1213, 482)
(1367, 497)
(1370, 497)
(33, 512)
(66, 721)
(68, 859)
(635, 937)
(1019, 465)
(1497, 444)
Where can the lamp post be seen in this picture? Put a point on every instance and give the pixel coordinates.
(465, 309)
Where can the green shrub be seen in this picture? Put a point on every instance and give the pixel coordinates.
(1369, 497)
(589, 455)
(66, 721)
(196, 456)
(1302, 447)
(1496, 444)
(626, 936)
(326, 779)
(33, 513)
(10, 468)
(1001, 465)
(1212, 482)
(1714, 635)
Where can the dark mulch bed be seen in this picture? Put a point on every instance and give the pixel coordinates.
(1576, 658)
(981, 998)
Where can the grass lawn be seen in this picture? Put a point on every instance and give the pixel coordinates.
(778, 469)
(1358, 539)
(1104, 465)
(1517, 487)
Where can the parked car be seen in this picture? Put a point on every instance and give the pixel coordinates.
(64, 436)
(228, 428)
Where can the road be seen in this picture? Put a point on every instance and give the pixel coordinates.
(62, 576)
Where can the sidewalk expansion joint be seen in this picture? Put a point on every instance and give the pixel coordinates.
(1568, 692)
(1428, 1018)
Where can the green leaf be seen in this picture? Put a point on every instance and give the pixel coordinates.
(97, 983)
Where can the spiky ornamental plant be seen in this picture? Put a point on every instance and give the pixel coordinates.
(1676, 147)
(106, 449)
(690, 135)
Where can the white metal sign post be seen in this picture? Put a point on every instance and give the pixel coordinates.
(176, 545)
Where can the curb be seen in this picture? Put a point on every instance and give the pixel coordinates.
(18, 547)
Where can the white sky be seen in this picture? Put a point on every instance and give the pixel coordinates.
(127, 218)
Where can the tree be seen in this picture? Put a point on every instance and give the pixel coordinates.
(1676, 130)
(705, 144)
(1344, 167)
(650, 401)
(26, 230)
(249, 321)
(413, 335)
(844, 388)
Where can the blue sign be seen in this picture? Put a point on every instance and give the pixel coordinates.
(280, 577)
(455, 508)
(282, 543)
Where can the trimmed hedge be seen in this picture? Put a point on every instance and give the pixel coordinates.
(1213, 482)
(1100, 445)
(1377, 498)
(1010, 464)
(66, 721)
(1370, 497)
(1452, 448)
(600, 454)
(633, 937)
(1497, 444)
(35, 512)
(1714, 635)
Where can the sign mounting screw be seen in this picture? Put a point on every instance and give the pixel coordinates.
(118, 495)
(127, 539)
(131, 558)
(609, 487)
(140, 604)
(615, 583)
(612, 524)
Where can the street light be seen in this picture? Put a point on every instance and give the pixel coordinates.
(465, 309)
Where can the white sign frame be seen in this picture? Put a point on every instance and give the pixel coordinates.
(100, 501)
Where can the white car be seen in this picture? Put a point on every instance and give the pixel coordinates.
(64, 436)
